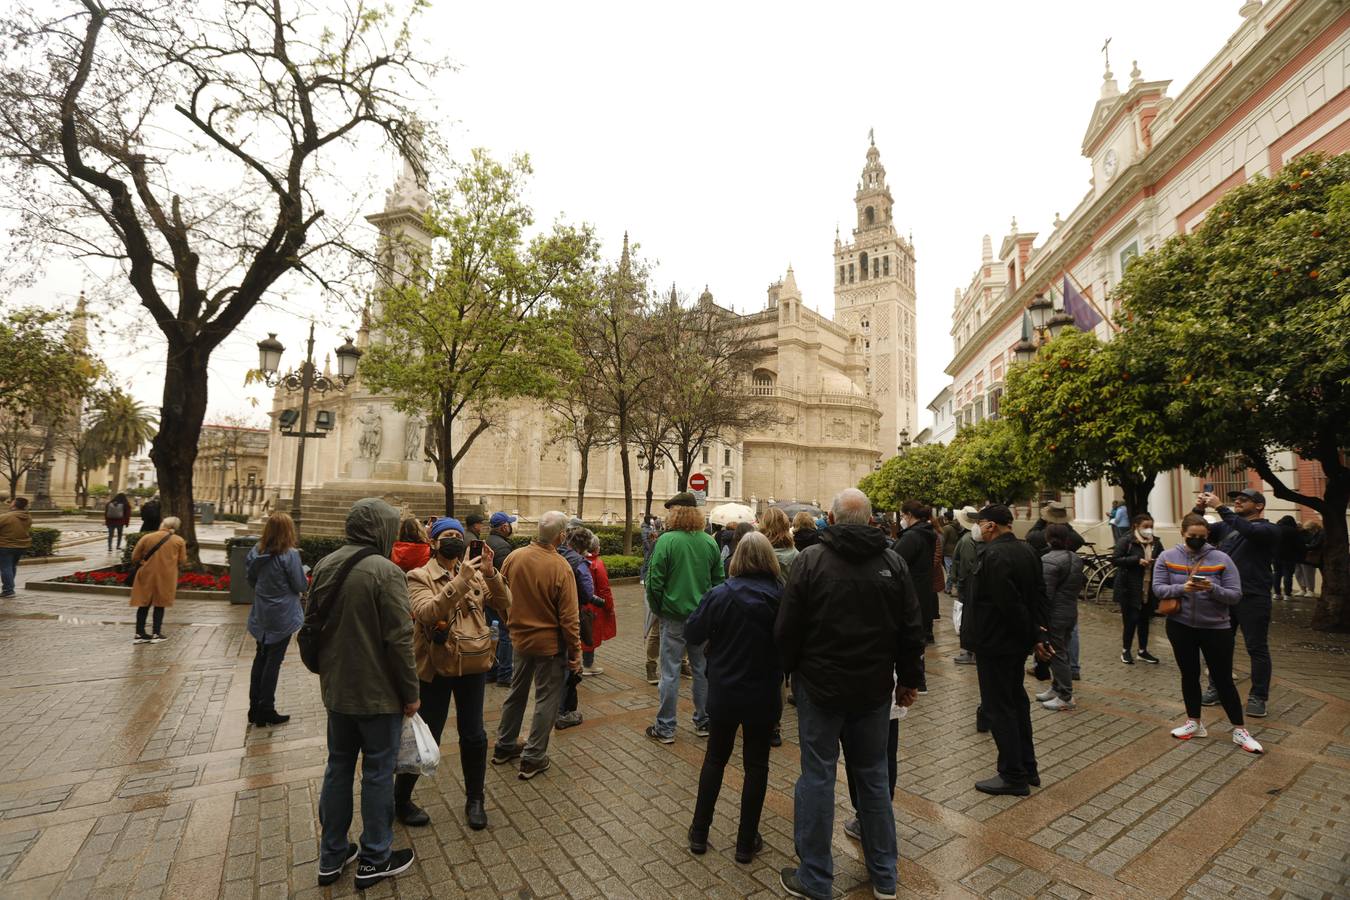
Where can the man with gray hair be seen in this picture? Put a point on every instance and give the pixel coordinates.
(850, 632)
(547, 639)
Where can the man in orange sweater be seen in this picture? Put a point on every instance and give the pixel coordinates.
(545, 632)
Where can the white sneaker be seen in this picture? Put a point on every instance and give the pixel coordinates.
(592, 670)
(1192, 728)
(1047, 694)
(1058, 703)
(1243, 738)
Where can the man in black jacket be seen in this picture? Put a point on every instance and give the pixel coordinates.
(1003, 619)
(850, 631)
(1251, 540)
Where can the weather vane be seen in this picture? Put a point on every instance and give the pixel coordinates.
(1106, 52)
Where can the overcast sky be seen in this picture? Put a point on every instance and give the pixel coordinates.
(727, 138)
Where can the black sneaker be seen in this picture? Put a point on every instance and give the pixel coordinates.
(746, 855)
(369, 875)
(792, 884)
(655, 735)
(698, 841)
(776, 738)
(141, 639)
(503, 755)
(530, 769)
(1210, 697)
(1147, 657)
(157, 638)
(1126, 658)
(332, 875)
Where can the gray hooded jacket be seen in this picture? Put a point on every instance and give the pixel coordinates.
(366, 665)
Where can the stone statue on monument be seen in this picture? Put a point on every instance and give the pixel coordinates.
(414, 433)
(372, 434)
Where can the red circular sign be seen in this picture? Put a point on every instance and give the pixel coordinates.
(698, 482)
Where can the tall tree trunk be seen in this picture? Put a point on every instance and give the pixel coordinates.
(686, 468)
(115, 477)
(627, 483)
(581, 480)
(651, 477)
(1136, 491)
(448, 463)
(1333, 606)
(174, 449)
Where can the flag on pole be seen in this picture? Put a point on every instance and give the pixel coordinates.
(1085, 316)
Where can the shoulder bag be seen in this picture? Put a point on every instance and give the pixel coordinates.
(310, 636)
(136, 566)
(467, 638)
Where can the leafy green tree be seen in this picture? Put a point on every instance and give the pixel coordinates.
(990, 462)
(485, 316)
(1247, 317)
(1093, 410)
(920, 473)
(124, 425)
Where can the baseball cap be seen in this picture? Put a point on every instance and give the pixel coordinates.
(996, 513)
(449, 523)
(473, 519)
(1252, 495)
(501, 518)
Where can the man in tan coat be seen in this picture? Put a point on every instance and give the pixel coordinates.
(545, 631)
(16, 536)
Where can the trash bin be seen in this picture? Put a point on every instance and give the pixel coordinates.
(206, 513)
(240, 592)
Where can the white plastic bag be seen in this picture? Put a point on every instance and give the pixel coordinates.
(418, 753)
(956, 615)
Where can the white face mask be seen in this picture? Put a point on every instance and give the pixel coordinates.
(976, 534)
(1146, 533)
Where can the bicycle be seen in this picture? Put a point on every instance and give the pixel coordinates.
(1098, 572)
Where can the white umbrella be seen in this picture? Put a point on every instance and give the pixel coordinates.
(731, 512)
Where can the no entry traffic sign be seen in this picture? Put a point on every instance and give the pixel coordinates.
(698, 482)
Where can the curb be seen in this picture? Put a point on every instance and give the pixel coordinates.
(44, 560)
(107, 590)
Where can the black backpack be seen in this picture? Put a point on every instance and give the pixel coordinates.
(317, 609)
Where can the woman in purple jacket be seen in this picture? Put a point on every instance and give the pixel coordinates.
(1206, 582)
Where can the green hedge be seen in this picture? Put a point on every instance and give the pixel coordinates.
(312, 547)
(44, 541)
(622, 566)
(232, 517)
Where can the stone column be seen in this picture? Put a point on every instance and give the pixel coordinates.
(1162, 501)
(1087, 502)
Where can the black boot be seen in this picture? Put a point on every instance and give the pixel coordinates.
(270, 717)
(473, 764)
(408, 812)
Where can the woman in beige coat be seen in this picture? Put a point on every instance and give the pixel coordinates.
(162, 554)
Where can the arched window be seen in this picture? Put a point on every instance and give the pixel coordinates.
(841, 274)
(862, 264)
(762, 385)
(870, 215)
(866, 324)
(885, 265)
(850, 273)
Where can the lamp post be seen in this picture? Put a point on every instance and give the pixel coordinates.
(904, 445)
(306, 380)
(1047, 323)
(224, 461)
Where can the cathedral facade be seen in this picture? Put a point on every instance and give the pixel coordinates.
(842, 390)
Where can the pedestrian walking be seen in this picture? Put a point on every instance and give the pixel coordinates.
(1207, 584)
(1314, 538)
(452, 647)
(685, 565)
(501, 526)
(368, 681)
(1063, 571)
(412, 550)
(151, 516)
(16, 539)
(116, 517)
(157, 558)
(1251, 541)
(1134, 556)
(1288, 555)
(850, 632)
(804, 531)
(577, 543)
(605, 626)
(735, 620)
(278, 579)
(1004, 620)
(546, 636)
(774, 525)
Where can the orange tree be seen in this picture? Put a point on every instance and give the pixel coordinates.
(1245, 318)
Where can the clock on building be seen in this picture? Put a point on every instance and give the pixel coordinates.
(1109, 164)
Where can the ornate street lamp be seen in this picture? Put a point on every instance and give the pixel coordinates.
(1024, 351)
(1058, 322)
(307, 379)
(1040, 309)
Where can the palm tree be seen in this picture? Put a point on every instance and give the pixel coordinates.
(124, 426)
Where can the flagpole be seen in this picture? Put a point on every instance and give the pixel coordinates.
(1082, 292)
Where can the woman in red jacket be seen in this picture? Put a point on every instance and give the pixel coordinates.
(412, 550)
(604, 627)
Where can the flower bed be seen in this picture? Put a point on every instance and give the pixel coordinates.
(189, 581)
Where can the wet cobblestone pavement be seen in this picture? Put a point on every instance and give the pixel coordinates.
(129, 771)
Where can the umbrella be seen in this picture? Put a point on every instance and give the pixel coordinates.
(730, 512)
(794, 507)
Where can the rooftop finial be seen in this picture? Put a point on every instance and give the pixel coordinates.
(871, 137)
(1136, 76)
(1106, 53)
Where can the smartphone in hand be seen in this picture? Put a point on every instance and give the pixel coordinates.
(475, 549)
(1209, 487)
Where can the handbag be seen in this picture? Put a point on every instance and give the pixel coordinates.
(136, 566)
(1170, 606)
(468, 639)
(310, 636)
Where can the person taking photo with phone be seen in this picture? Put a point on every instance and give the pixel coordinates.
(452, 645)
(1197, 585)
(1134, 556)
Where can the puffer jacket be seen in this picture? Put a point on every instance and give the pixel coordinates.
(1063, 583)
(916, 547)
(1201, 609)
(434, 595)
(1130, 577)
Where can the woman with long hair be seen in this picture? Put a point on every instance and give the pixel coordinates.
(278, 580)
(1134, 557)
(736, 620)
(804, 532)
(412, 550)
(1206, 582)
(159, 557)
(774, 526)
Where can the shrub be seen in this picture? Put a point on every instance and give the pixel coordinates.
(232, 517)
(312, 547)
(44, 541)
(619, 566)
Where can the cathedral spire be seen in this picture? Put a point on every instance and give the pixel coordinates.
(624, 261)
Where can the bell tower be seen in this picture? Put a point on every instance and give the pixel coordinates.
(874, 294)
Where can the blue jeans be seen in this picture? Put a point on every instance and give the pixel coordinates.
(673, 648)
(819, 730)
(501, 668)
(9, 564)
(376, 739)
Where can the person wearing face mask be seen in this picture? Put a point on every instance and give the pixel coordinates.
(965, 556)
(1134, 557)
(1206, 582)
(916, 545)
(449, 596)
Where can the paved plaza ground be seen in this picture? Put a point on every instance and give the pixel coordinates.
(130, 771)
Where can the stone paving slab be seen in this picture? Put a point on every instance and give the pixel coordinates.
(130, 772)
